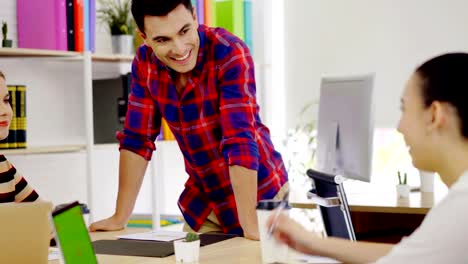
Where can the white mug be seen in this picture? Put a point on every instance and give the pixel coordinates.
(427, 181)
(273, 251)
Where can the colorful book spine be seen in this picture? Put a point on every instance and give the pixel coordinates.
(4, 142)
(12, 133)
(86, 24)
(92, 25)
(209, 13)
(201, 11)
(70, 26)
(21, 120)
(78, 17)
(230, 16)
(41, 24)
(248, 24)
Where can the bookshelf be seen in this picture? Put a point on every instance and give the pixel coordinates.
(44, 150)
(60, 117)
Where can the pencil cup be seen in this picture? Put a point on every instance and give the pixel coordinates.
(403, 190)
(273, 251)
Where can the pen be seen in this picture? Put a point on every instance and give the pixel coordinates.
(275, 217)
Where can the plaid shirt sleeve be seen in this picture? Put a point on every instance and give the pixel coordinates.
(143, 120)
(238, 108)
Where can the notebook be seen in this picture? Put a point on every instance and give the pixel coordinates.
(25, 227)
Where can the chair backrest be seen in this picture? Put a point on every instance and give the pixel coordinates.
(329, 194)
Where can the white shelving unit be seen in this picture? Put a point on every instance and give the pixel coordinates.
(59, 109)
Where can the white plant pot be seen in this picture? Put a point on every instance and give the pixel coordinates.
(187, 252)
(403, 190)
(122, 45)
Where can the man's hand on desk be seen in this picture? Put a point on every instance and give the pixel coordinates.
(251, 232)
(112, 223)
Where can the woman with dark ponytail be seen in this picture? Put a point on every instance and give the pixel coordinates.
(434, 123)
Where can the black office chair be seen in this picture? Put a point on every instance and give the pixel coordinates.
(329, 194)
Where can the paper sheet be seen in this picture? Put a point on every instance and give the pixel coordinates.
(161, 235)
(315, 259)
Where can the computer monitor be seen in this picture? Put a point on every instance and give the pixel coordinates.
(345, 127)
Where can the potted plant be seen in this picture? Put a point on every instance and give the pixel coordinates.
(6, 43)
(116, 14)
(403, 189)
(188, 249)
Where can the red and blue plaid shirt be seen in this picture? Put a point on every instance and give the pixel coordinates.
(215, 121)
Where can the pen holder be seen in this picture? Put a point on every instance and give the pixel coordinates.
(403, 190)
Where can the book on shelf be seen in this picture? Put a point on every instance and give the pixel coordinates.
(21, 119)
(210, 19)
(248, 24)
(70, 25)
(11, 141)
(230, 16)
(42, 24)
(200, 7)
(92, 25)
(78, 24)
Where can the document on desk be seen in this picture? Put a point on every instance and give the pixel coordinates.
(160, 235)
(310, 259)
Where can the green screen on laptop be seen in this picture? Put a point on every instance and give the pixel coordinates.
(72, 235)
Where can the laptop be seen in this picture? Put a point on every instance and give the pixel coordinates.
(25, 232)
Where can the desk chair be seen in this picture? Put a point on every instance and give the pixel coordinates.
(329, 194)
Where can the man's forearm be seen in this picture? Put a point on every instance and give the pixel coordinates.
(132, 169)
(244, 185)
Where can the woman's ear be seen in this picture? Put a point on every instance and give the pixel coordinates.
(437, 116)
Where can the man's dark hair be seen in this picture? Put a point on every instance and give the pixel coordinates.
(2, 75)
(142, 8)
(445, 79)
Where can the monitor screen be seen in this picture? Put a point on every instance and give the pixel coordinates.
(345, 127)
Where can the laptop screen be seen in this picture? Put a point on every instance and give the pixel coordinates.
(72, 235)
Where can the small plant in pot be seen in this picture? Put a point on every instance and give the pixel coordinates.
(116, 14)
(6, 43)
(187, 250)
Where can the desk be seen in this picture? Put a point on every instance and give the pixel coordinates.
(232, 251)
(377, 213)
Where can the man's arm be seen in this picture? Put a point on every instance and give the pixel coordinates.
(132, 169)
(244, 185)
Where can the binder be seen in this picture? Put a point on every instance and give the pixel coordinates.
(12, 136)
(42, 24)
(78, 26)
(201, 11)
(70, 26)
(248, 24)
(21, 120)
(230, 16)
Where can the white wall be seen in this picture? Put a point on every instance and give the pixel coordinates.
(389, 38)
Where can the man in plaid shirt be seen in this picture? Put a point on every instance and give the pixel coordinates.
(201, 80)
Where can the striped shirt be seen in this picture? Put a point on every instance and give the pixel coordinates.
(215, 121)
(13, 187)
